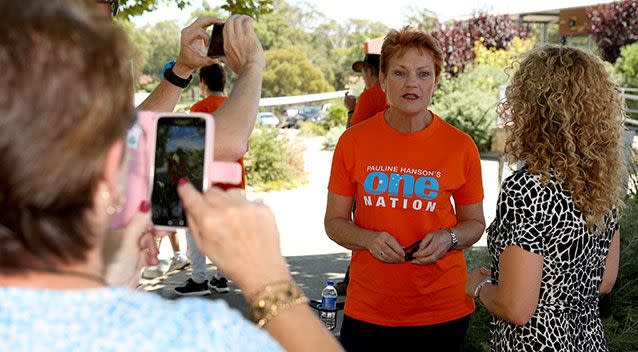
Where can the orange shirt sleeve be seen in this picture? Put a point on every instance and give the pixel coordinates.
(341, 179)
(371, 102)
(210, 105)
(472, 190)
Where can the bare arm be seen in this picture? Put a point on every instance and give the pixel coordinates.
(516, 295)
(192, 43)
(342, 230)
(235, 119)
(611, 265)
(469, 228)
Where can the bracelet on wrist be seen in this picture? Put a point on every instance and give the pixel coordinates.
(174, 79)
(454, 241)
(477, 290)
(273, 298)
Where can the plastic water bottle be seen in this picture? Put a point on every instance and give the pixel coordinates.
(329, 301)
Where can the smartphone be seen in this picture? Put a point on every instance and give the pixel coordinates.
(180, 152)
(216, 47)
(160, 149)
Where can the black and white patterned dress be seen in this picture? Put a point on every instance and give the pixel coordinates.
(545, 221)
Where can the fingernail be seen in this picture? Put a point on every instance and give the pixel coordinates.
(182, 181)
(145, 206)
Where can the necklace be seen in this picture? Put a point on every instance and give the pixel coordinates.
(87, 276)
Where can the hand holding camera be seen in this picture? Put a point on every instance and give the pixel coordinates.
(239, 42)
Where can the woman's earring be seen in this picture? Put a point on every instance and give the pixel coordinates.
(112, 209)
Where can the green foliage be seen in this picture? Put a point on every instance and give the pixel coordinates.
(141, 47)
(421, 18)
(613, 26)
(129, 8)
(469, 102)
(290, 72)
(330, 45)
(502, 58)
(312, 129)
(273, 162)
(477, 339)
(619, 310)
(332, 137)
(457, 39)
(627, 66)
(253, 8)
(337, 115)
(164, 37)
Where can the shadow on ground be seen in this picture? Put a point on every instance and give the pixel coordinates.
(310, 272)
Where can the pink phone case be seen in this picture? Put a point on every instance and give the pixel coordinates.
(140, 143)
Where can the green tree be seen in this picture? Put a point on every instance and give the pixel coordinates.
(422, 18)
(277, 31)
(253, 8)
(140, 45)
(627, 66)
(290, 72)
(164, 37)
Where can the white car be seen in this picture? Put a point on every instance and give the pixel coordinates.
(267, 119)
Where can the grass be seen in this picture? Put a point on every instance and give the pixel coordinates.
(477, 339)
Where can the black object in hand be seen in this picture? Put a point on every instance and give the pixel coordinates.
(216, 47)
(409, 250)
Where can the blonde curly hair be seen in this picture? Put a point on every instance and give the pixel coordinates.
(564, 118)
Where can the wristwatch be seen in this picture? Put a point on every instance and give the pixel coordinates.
(174, 79)
(455, 240)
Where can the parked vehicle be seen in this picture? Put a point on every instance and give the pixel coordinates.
(267, 119)
(310, 113)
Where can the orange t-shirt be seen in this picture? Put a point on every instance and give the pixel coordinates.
(371, 102)
(404, 184)
(210, 105)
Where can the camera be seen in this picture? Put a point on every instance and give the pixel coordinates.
(216, 47)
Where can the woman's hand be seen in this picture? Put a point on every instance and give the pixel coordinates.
(433, 247)
(474, 278)
(128, 250)
(240, 236)
(385, 248)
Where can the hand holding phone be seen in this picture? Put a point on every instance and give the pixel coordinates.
(216, 47)
(161, 149)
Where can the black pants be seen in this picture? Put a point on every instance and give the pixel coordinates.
(357, 335)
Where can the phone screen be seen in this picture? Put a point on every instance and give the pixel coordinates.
(216, 47)
(179, 153)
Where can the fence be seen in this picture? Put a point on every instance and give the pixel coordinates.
(629, 98)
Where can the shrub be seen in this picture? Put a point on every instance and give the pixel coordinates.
(273, 162)
(619, 309)
(478, 334)
(311, 129)
(627, 66)
(332, 137)
(492, 31)
(469, 102)
(502, 58)
(337, 116)
(614, 25)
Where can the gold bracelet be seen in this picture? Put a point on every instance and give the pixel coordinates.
(275, 297)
